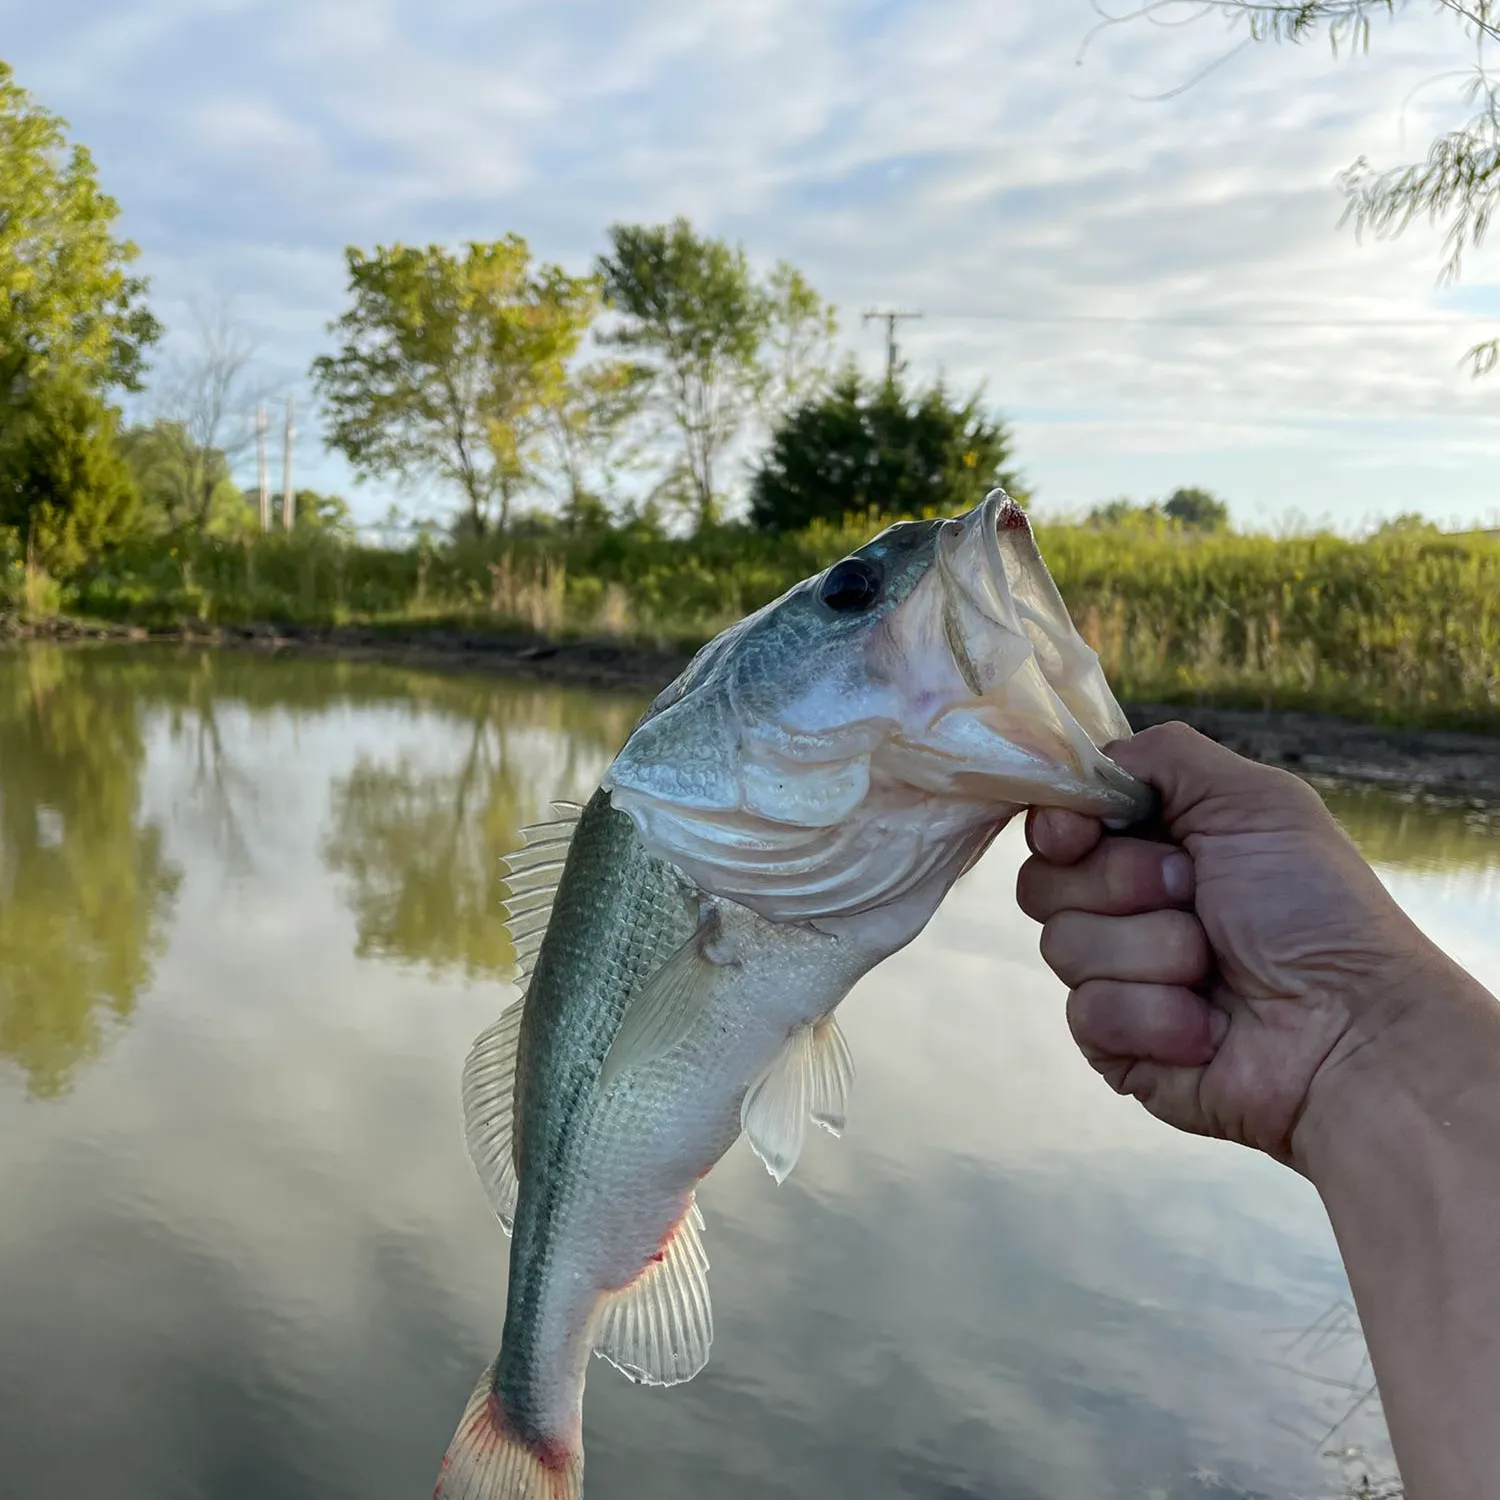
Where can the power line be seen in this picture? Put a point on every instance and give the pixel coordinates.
(1131, 321)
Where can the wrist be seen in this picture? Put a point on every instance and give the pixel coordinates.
(1419, 1057)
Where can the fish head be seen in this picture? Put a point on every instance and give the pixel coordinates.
(871, 729)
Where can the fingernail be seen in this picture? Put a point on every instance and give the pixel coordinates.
(1177, 876)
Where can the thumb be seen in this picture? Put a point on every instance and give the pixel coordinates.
(1205, 787)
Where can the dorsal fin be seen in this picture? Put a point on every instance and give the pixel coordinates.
(532, 874)
(658, 1329)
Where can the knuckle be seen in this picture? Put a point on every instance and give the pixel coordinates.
(1121, 875)
(1051, 938)
(1182, 944)
(1030, 889)
(1174, 733)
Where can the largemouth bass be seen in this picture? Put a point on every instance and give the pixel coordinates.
(787, 814)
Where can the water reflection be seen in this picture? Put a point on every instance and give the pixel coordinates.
(1003, 1281)
(419, 848)
(85, 887)
(1418, 834)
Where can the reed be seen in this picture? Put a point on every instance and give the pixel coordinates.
(1400, 628)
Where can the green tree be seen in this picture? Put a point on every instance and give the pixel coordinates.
(329, 515)
(589, 424)
(1457, 184)
(868, 446)
(184, 485)
(447, 366)
(67, 298)
(1124, 512)
(313, 512)
(723, 348)
(1197, 510)
(65, 490)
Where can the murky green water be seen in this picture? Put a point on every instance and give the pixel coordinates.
(247, 932)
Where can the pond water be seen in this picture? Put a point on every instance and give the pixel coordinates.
(248, 930)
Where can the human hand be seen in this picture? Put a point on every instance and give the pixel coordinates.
(1225, 978)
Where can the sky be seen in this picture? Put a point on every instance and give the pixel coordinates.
(1149, 279)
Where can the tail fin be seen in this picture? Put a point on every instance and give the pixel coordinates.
(487, 1460)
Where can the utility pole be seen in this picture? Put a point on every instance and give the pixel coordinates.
(890, 316)
(288, 494)
(262, 426)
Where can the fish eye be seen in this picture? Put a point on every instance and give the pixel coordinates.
(850, 586)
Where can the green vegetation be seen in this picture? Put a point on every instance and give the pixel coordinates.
(870, 446)
(1403, 627)
(447, 365)
(717, 348)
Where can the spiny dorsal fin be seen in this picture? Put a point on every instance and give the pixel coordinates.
(658, 1329)
(810, 1079)
(489, 1091)
(489, 1082)
(532, 874)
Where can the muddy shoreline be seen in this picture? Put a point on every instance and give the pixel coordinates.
(1441, 764)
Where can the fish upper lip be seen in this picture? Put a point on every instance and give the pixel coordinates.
(987, 588)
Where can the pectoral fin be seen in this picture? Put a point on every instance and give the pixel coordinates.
(810, 1079)
(664, 1010)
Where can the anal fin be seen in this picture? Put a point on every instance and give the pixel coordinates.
(810, 1080)
(658, 1329)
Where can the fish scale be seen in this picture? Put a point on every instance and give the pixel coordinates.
(619, 914)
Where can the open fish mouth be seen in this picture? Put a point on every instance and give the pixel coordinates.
(818, 760)
(1024, 708)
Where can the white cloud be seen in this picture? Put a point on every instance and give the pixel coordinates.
(954, 155)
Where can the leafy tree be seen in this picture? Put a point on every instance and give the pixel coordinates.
(67, 297)
(722, 348)
(448, 363)
(1197, 510)
(64, 488)
(327, 514)
(184, 486)
(1408, 523)
(1124, 512)
(1457, 184)
(872, 446)
(588, 427)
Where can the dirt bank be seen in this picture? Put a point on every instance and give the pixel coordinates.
(1430, 762)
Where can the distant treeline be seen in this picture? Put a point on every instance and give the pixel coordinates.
(1403, 627)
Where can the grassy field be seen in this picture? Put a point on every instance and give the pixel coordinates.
(1402, 628)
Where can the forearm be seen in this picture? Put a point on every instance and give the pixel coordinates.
(1405, 1152)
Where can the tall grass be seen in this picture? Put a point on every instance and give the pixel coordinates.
(1401, 628)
